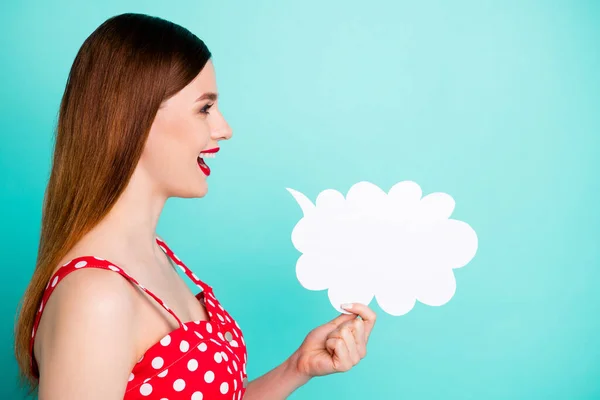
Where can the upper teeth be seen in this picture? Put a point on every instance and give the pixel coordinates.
(208, 155)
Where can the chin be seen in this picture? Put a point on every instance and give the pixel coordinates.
(194, 192)
(201, 192)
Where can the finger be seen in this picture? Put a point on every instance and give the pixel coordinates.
(367, 315)
(340, 319)
(346, 332)
(358, 331)
(337, 332)
(339, 351)
(330, 345)
(348, 337)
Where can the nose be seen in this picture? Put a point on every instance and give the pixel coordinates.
(223, 132)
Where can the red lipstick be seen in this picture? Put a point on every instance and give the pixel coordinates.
(205, 168)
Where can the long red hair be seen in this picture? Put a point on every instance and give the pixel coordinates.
(120, 76)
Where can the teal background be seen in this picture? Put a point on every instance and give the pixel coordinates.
(496, 103)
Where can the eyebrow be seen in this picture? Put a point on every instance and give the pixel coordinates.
(210, 95)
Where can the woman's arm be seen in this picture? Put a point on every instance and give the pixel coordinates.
(278, 383)
(333, 347)
(86, 349)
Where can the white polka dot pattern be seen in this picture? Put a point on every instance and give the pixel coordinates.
(184, 346)
(195, 361)
(166, 340)
(163, 374)
(146, 389)
(179, 385)
(224, 387)
(157, 363)
(192, 365)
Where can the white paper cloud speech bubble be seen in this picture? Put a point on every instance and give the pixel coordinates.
(395, 246)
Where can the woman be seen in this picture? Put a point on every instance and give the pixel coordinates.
(106, 315)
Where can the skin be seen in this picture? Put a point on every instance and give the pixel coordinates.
(97, 325)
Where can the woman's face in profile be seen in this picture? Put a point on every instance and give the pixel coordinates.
(187, 124)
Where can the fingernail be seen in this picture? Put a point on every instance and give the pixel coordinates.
(346, 306)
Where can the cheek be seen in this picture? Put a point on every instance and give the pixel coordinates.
(170, 150)
(177, 136)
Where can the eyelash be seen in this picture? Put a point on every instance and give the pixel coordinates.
(204, 110)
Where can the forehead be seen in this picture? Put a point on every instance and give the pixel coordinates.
(205, 80)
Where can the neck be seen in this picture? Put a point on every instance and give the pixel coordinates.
(130, 226)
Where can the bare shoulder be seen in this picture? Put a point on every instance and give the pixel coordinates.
(91, 293)
(86, 338)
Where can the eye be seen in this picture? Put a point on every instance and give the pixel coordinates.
(204, 110)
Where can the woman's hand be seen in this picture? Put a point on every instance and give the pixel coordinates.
(337, 345)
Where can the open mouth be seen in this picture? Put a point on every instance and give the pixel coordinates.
(206, 154)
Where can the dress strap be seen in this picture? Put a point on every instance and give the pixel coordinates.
(155, 297)
(182, 266)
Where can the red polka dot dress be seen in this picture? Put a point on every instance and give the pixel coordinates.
(199, 360)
